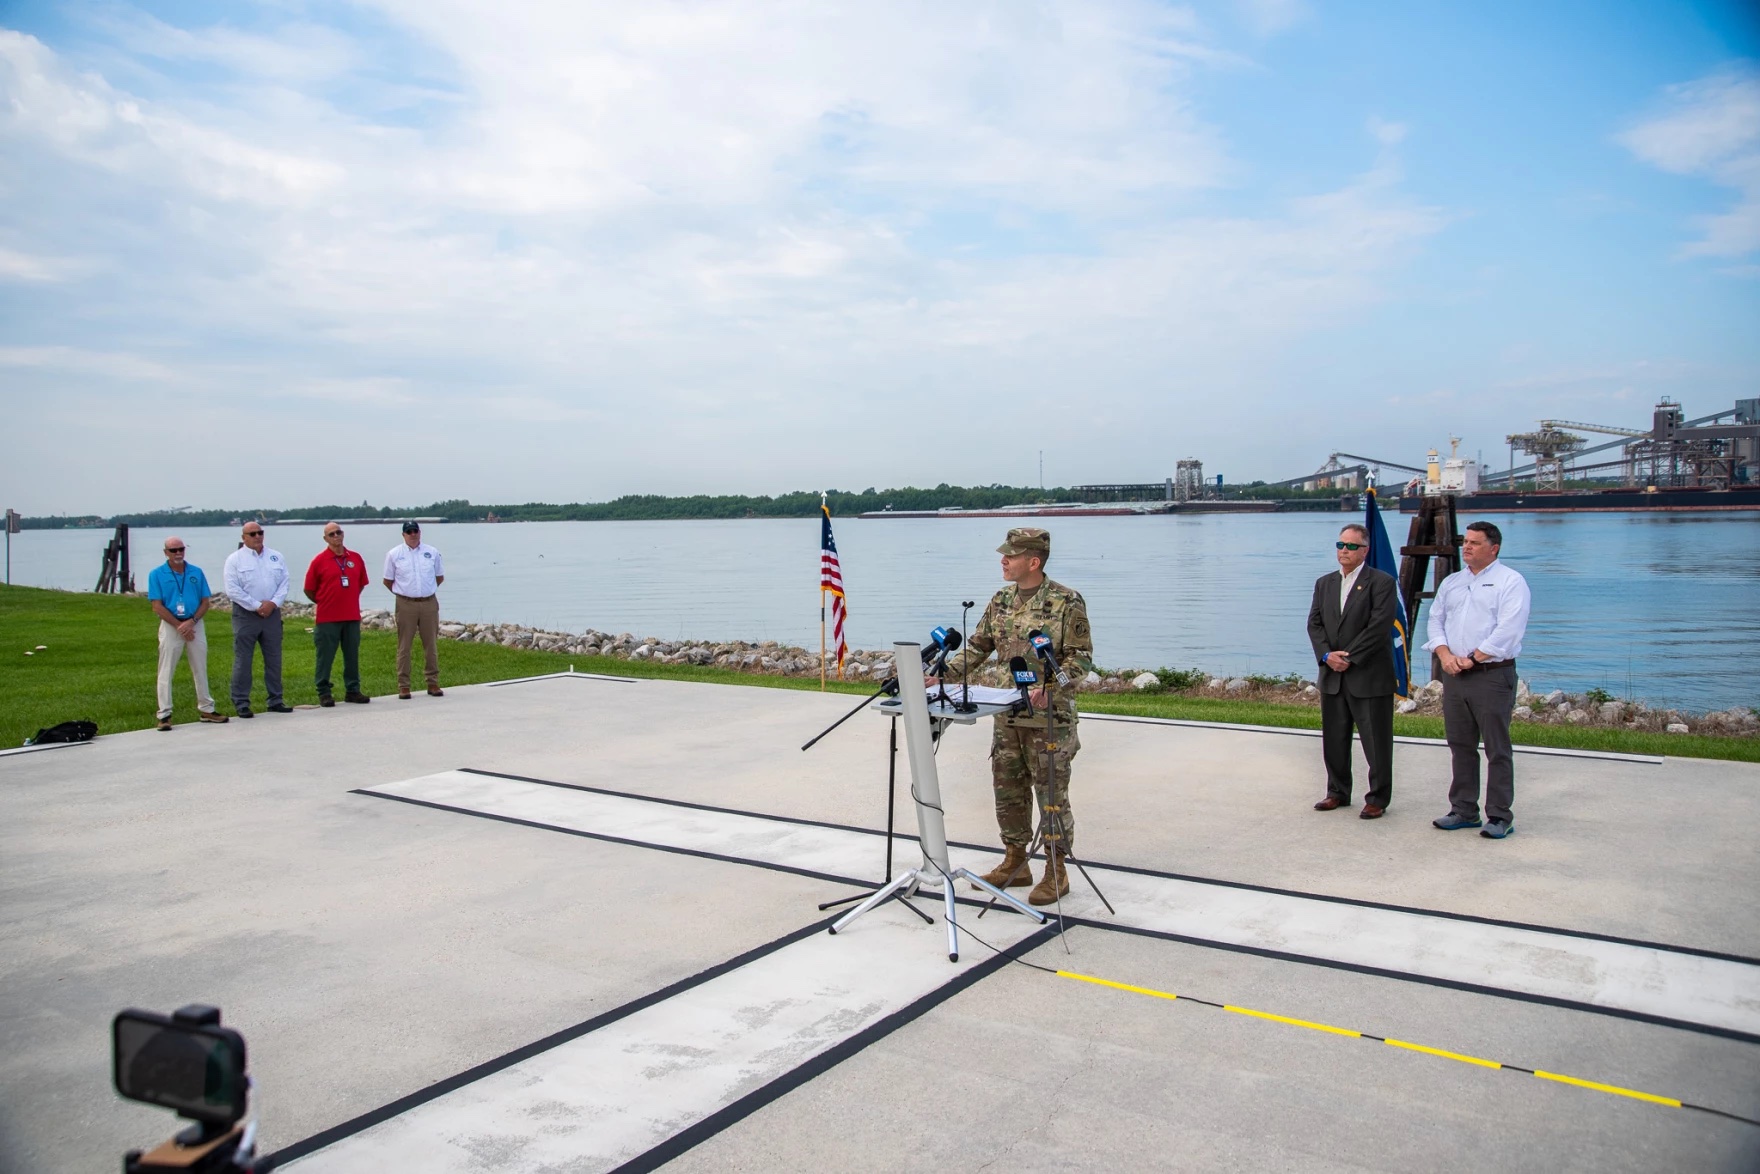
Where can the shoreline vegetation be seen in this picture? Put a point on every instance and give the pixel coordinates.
(636, 507)
(76, 655)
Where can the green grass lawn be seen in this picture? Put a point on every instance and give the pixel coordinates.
(100, 657)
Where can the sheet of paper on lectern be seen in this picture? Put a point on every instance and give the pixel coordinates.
(982, 694)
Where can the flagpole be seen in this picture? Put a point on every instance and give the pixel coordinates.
(821, 609)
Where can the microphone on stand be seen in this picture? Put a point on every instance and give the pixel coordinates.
(942, 641)
(1042, 647)
(1024, 679)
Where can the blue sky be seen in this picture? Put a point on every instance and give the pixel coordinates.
(403, 250)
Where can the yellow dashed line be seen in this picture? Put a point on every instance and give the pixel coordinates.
(1613, 1089)
(1400, 1043)
(1117, 986)
(1294, 1022)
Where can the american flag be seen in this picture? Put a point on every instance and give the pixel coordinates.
(831, 579)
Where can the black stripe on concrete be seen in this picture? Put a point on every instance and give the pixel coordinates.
(1418, 911)
(1423, 979)
(1165, 935)
(365, 1121)
(830, 1058)
(550, 827)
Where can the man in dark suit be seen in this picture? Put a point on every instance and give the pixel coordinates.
(1350, 624)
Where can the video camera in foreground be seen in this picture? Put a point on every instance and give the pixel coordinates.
(186, 1062)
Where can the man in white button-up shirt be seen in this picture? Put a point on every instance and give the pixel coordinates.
(1476, 629)
(413, 573)
(256, 582)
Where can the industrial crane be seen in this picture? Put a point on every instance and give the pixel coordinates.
(1602, 428)
(1551, 447)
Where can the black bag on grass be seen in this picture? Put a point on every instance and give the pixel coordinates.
(79, 731)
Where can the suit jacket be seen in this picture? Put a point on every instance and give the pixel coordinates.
(1363, 628)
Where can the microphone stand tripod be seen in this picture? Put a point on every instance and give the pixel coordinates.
(889, 687)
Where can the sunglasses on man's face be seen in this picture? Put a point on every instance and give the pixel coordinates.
(1348, 545)
(174, 550)
(253, 533)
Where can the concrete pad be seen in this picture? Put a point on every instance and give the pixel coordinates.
(1037, 1073)
(1685, 988)
(368, 949)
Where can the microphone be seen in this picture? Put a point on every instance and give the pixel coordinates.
(1024, 678)
(1042, 646)
(942, 641)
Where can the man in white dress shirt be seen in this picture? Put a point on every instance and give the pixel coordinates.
(256, 582)
(1476, 629)
(413, 573)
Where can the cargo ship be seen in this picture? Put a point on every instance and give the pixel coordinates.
(1686, 499)
(1071, 509)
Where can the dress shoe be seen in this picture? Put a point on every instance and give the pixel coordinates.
(210, 716)
(163, 725)
(245, 711)
(1331, 803)
(326, 702)
(436, 691)
(281, 709)
(403, 694)
(1370, 811)
(357, 698)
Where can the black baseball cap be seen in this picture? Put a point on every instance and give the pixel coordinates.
(412, 527)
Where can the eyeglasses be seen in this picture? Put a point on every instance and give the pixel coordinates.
(1348, 545)
(174, 550)
(253, 533)
(333, 533)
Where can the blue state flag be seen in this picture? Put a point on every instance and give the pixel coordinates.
(1382, 558)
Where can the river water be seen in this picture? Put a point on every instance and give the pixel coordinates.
(1664, 608)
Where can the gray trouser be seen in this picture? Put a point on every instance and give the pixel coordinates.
(326, 639)
(249, 630)
(1476, 706)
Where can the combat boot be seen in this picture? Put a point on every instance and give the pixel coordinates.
(1013, 871)
(1054, 884)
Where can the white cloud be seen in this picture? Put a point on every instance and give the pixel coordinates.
(73, 360)
(1388, 134)
(1269, 17)
(1710, 128)
(83, 119)
(17, 266)
(765, 234)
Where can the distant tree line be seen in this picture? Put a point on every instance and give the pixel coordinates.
(631, 507)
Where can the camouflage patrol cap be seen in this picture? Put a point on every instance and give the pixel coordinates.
(1027, 540)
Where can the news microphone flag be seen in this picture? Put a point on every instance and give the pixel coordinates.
(830, 581)
(1382, 558)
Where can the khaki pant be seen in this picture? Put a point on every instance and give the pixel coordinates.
(423, 616)
(173, 648)
(1018, 775)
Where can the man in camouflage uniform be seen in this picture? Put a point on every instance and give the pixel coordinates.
(1017, 749)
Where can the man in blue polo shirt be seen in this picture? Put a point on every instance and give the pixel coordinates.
(178, 593)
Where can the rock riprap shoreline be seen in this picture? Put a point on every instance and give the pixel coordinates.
(770, 658)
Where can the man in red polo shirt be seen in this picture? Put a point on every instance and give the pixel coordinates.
(334, 582)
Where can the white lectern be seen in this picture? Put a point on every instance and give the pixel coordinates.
(934, 872)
